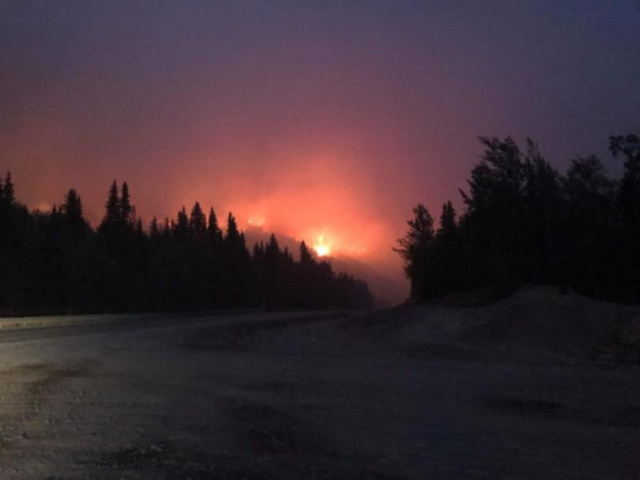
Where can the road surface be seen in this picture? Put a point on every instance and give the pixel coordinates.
(300, 396)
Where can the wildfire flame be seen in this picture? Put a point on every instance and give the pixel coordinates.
(322, 247)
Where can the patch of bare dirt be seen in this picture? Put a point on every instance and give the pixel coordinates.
(534, 319)
(542, 319)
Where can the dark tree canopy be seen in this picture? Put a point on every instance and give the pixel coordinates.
(526, 224)
(414, 248)
(56, 263)
(112, 215)
(8, 192)
(126, 209)
(215, 234)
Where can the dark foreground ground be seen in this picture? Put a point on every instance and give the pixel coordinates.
(303, 396)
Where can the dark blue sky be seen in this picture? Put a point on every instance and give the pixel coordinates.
(313, 118)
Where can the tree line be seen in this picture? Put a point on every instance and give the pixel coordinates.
(525, 223)
(55, 262)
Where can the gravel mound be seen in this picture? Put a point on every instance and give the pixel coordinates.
(533, 319)
(541, 318)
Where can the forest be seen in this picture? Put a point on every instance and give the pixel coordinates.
(525, 223)
(56, 263)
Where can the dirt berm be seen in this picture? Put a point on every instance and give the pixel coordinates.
(535, 319)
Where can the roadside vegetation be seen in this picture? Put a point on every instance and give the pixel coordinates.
(55, 262)
(526, 224)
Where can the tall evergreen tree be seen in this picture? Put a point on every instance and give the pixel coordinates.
(414, 248)
(495, 221)
(181, 229)
(126, 208)
(215, 234)
(525, 223)
(73, 214)
(237, 262)
(628, 146)
(306, 259)
(542, 207)
(113, 216)
(166, 228)
(233, 234)
(154, 229)
(445, 258)
(72, 207)
(198, 221)
(8, 191)
(448, 225)
(589, 263)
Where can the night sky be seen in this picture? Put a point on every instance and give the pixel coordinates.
(308, 118)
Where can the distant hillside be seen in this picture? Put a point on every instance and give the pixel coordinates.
(387, 291)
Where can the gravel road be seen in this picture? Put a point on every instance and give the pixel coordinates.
(301, 396)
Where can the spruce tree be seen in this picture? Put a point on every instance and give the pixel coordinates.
(447, 220)
(8, 191)
(154, 229)
(215, 234)
(181, 228)
(414, 249)
(112, 216)
(306, 259)
(198, 221)
(628, 146)
(232, 230)
(72, 207)
(126, 209)
(73, 215)
(589, 256)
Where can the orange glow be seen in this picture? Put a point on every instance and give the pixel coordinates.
(256, 221)
(317, 201)
(322, 247)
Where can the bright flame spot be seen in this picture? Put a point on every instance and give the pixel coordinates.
(322, 250)
(256, 221)
(322, 247)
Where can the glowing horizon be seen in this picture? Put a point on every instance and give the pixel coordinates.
(305, 119)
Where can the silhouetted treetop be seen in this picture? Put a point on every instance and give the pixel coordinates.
(198, 221)
(526, 223)
(126, 209)
(215, 234)
(414, 248)
(7, 192)
(447, 220)
(306, 259)
(113, 215)
(181, 229)
(53, 263)
(627, 145)
(154, 228)
(419, 237)
(232, 228)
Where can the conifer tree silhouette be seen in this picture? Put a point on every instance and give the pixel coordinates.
(113, 215)
(198, 221)
(215, 234)
(126, 209)
(181, 229)
(8, 191)
(414, 250)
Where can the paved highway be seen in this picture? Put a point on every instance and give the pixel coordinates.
(300, 396)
